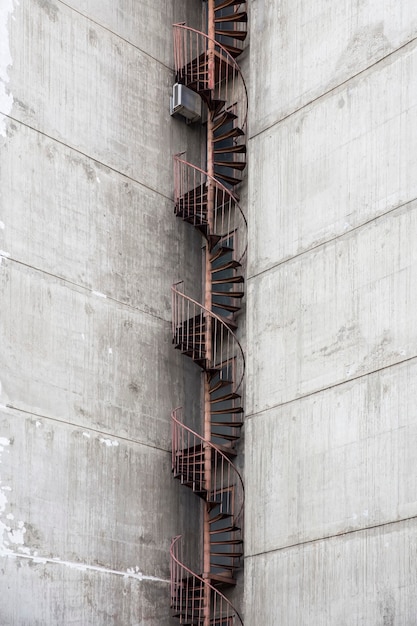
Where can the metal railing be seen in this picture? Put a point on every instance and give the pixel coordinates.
(190, 198)
(188, 335)
(188, 463)
(193, 51)
(190, 592)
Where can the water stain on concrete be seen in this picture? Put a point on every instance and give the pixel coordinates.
(50, 9)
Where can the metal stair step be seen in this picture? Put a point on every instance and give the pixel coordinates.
(234, 165)
(223, 118)
(231, 149)
(228, 396)
(233, 33)
(227, 3)
(220, 383)
(226, 266)
(231, 180)
(228, 294)
(227, 307)
(229, 134)
(241, 16)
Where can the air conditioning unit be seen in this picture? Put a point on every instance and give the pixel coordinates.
(185, 102)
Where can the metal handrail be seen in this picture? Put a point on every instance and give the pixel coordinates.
(216, 449)
(213, 315)
(228, 58)
(178, 193)
(204, 581)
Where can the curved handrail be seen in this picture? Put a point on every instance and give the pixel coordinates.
(216, 317)
(232, 196)
(214, 447)
(174, 541)
(181, 26)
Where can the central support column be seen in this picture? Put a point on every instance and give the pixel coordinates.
(208, 304)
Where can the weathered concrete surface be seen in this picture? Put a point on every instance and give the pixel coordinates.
(337, 312)
(87, 597)
(114, 368)
(332, 289)
(303, 49)
(84, 526)
(89, 247)
(359, 579)
(94, 499)
(79, 220)
(131, 20)
(336, 462)
(91, 90)
(335, 164)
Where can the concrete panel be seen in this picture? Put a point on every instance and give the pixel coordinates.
(76, 356)
(339, 461)
(302, 49)
(97, 500)
(79, 597)
(73, 217)
(82, 508)
(131, 19)
(338, 312)
(91, 90)
(356, 580)
(335, 165)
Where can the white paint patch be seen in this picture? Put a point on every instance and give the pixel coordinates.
(6, 61)
(132, 572)
(97, 179)
(2, 226)
(38, 424)
(110, 351)
(83, 336)
(4, 254)
(3, 502)
(99, 294)
(10, 533)
(87, 435)
(109, 442)
(366, 513)
(4, 528)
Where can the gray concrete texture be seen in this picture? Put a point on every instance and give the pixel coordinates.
(89, 248)
(330, 437)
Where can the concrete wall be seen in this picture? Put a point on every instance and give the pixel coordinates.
(331, 427)
(89, 249)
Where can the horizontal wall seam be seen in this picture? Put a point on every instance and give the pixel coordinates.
(333, 89)
(249, 416)
(83, 288)
(85, 155)
(112, 32)
(104, 433)
(341, 236)
(335, 536)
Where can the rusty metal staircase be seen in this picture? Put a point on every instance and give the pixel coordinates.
(230, 19)
(205, 197)
(207, 67)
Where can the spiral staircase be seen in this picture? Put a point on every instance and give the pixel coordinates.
(206, 198)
